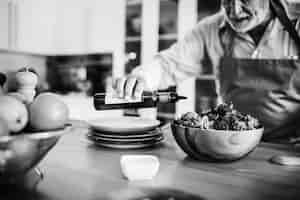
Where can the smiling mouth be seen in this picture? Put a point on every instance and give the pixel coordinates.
(240, 19)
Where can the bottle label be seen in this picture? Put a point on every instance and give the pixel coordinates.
(164, 97)
(113, 98)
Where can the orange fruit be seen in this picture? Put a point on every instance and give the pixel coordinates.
(48, 112)
(13, 112)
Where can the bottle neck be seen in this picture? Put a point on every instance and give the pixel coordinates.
(168, 97)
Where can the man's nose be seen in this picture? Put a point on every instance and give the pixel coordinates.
(236, 8)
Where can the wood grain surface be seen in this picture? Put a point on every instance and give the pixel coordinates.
(77, 169)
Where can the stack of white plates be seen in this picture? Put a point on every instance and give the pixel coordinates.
(125, 132)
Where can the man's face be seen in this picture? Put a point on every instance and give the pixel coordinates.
(244, 15)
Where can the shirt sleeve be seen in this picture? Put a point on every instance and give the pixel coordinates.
(181, 61)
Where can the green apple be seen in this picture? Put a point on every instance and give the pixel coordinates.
(18, 96)
(14, 113)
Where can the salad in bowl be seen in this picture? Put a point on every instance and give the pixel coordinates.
(222, 133)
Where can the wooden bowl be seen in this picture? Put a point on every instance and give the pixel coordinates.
(217, 145)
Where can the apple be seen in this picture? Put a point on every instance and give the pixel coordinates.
(21, 97)
(48, 112)
(4, 131)
(14, 113)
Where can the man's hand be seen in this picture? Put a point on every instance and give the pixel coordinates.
(129, 87)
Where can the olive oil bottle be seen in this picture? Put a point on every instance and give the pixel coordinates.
(109, 101)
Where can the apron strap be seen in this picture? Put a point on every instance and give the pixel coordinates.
(281, 14)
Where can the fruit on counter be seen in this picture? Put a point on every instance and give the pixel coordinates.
(27, 80)
(13, 112)
(21, 97)
(4, 131)
(23, 150)
(48, 112)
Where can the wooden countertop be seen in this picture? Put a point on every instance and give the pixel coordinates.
(76, 169)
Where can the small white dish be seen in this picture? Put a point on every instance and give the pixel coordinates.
(286, 160)
(139, 167)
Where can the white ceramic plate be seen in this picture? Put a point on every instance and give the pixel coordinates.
(125, 145)
(97, 137)
(124, 124)
(127, 136)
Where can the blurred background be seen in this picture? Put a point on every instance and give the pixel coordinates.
(78, 46)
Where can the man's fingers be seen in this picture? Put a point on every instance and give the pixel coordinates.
(129, 87)
(139, 88)
(120, 84)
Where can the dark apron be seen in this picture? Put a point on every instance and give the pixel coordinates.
(263, 89)
(267, 89)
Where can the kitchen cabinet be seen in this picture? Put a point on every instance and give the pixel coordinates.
(65, 26)
(4, 23)
(7, 15)
(36, 23)
(71, 27)
(26, 25)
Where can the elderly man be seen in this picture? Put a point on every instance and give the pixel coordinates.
(253, 45)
